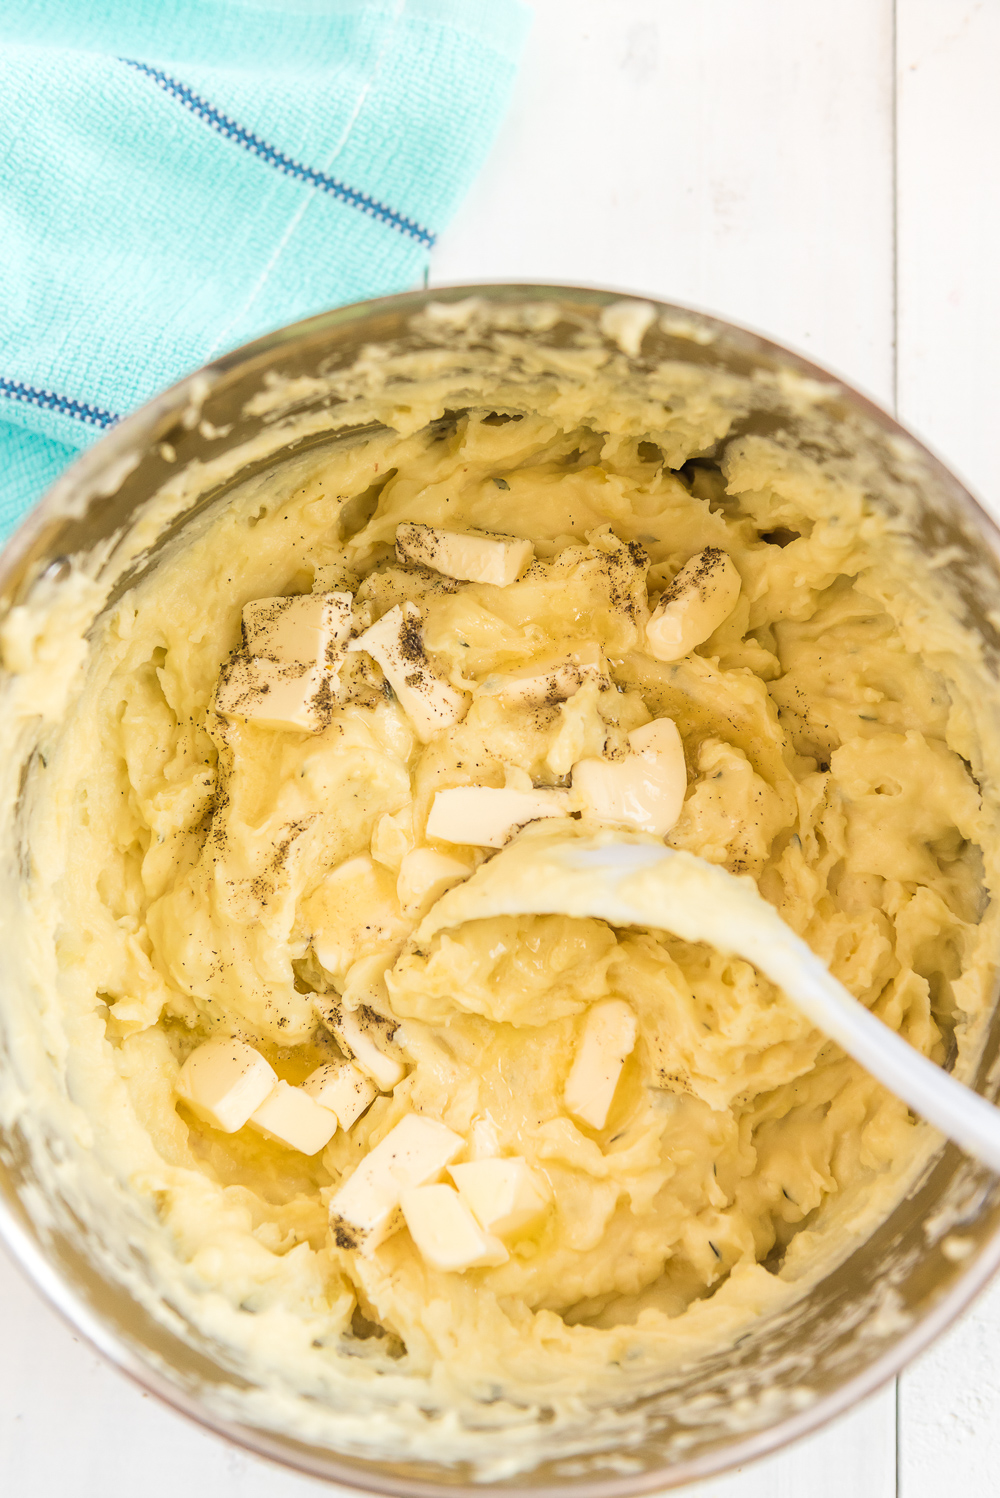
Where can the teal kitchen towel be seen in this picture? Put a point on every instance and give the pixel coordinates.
(179, 176)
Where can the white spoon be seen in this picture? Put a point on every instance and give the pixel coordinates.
(630, 879)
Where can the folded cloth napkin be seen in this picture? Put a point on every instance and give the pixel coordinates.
(179, 176)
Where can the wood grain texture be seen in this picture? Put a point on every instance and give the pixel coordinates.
(71, 1426)
(853, 1458)
(949, 1410)
(949, 227)
(729, 155)
(949, 392)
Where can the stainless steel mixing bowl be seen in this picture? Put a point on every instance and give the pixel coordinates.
(896, 1291)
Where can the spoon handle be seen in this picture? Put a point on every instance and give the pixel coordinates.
(634, 880)
(963, 1115)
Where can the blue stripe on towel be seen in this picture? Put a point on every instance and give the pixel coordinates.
(232, 131)
(49, 400)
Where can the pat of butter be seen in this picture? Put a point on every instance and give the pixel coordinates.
(307, 628)
(350, 913)
(356, 1031)
(445, 1231)
(505, 1196)
(223, 1082)
(483, 817)
(469, 556)
(366, 1209)
(700, 598)
(548, 681)
(609, 1035)
(343, 1089)
(392, 837)
(484, 1141)
(424, 876)
(270, 694)
(396, 644)
(644, 790)
(291, 1116)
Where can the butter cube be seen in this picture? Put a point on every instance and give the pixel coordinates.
(645, 790)
(271, 694)
(445, 1231)
(366, 1209)
(469, 556)
(358, 1032)
(609, 1035)
(392, 838)
(505, 1196)
(548, 681)
(482, 817)
(306, 629)
(424, 876)
(484, 1140)
(396, 644)
(700, 598)
(286, 677)
(289, 1115)
(658, 738)
(351, 914)
(223, 1082)
(343, 1089)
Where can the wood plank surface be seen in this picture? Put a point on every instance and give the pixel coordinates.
(734, 155)
(949, 229)
(949, 1411)
(71, 1426)
(949, 391)
(855, 1457)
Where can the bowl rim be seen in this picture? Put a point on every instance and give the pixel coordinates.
(19, 1238)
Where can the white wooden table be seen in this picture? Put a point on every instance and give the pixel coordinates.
(827, 173)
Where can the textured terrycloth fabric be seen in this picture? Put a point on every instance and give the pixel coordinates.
(179, 176)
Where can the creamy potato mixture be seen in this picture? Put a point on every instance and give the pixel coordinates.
(528, 1160)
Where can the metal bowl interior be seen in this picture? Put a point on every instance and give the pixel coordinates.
(877, 1308)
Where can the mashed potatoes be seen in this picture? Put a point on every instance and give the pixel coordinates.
(201, 875)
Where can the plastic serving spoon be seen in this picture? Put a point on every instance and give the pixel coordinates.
(630, 879)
